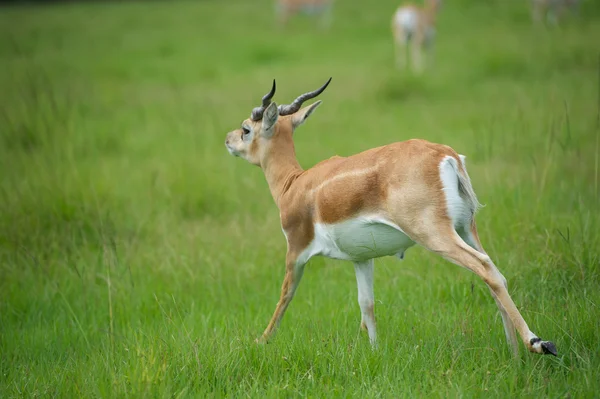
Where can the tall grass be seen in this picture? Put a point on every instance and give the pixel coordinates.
(137, 258)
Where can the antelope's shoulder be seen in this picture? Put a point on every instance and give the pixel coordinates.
(329, 162)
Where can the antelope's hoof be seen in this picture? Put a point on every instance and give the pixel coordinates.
(544, 347)
(549, 348)
(260, 340)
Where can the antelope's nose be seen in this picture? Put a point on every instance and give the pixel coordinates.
(228, 139)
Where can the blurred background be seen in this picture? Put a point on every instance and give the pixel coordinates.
(137, 258)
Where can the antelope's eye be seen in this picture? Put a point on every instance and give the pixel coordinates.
(245, 131)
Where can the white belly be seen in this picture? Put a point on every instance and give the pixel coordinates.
(359, 239)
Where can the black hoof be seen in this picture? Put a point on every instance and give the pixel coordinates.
(549, 348)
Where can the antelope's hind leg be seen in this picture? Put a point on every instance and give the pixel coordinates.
(416, 55)
(401, 41)
(445, 241)
(470, 236)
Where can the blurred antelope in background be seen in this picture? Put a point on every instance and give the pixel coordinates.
(552, 10)
(287, 8)
(377, 203)
(413, 28)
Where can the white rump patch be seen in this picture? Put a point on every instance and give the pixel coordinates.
(407, 19)
(458, 208)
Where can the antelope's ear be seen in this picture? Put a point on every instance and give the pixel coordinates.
(269, 120)
(299, 117)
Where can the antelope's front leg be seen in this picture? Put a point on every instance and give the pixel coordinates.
(366, 299)
(293, 275)
(417, 48)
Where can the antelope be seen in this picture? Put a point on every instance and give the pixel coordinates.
(553, 10)
(376, 203)
(287, 8)
(413, 28)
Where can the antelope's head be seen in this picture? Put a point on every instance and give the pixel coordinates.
(269, 125)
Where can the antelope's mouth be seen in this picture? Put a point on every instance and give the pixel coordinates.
(231, 150)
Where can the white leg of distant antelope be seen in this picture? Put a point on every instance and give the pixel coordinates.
(400, 52)
(401, 59)
(366, 298)
(429, 49)
(417, 53)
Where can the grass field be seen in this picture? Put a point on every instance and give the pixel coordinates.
(139, 259)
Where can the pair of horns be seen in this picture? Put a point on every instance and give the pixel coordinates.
(257, 113)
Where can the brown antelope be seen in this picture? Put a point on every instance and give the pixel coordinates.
(552, 10)
(287, 8)
(413, 28)
(377, 203)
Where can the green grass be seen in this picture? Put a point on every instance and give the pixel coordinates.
(139, 259)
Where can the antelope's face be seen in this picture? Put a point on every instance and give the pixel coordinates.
(267, 124)
(247, 141)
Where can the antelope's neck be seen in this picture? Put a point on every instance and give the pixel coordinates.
(281, 168)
